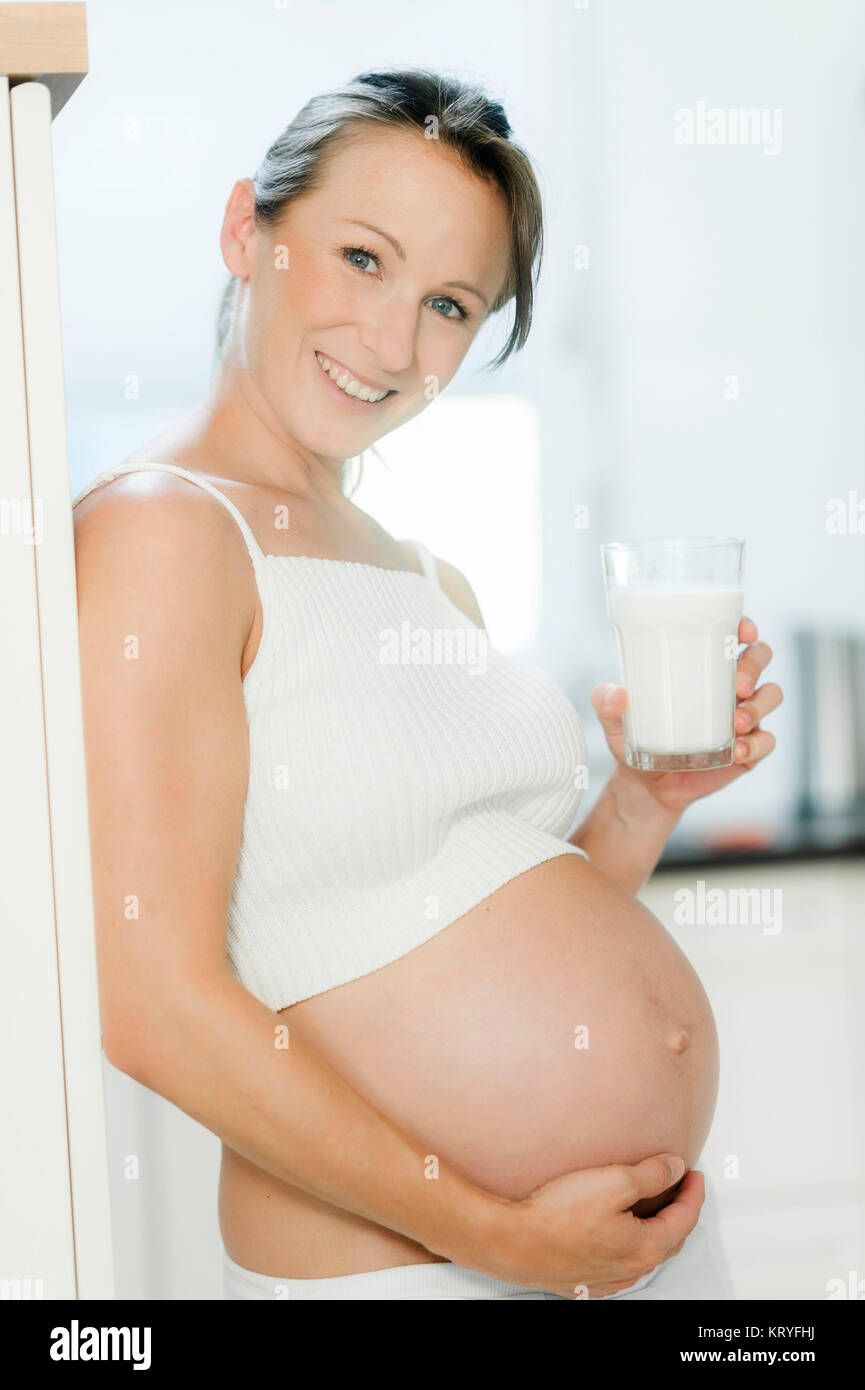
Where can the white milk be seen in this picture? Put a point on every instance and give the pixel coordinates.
(675, 665)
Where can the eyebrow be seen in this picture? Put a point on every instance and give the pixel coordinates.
(400, 251)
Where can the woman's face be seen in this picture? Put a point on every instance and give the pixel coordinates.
(387, 270)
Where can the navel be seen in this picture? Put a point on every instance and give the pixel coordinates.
(678, 1040)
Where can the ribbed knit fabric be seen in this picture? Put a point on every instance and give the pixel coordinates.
(400, 769)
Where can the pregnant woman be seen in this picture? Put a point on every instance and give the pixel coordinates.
(447, 1051)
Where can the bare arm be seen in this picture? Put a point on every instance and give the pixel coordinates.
(164, 612)
(625, 832)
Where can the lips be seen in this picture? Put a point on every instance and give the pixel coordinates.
(350, 386)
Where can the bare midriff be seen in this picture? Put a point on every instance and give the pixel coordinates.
(555, 1026)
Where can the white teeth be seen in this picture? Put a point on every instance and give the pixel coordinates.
(347, 383)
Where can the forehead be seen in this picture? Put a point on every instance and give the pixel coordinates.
(420, 192)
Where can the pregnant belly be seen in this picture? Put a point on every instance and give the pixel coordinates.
(555, 1026)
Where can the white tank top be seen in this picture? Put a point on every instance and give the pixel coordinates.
(400, 768)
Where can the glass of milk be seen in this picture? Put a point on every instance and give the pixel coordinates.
(675, 607)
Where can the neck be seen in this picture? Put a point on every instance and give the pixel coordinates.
(233, 434)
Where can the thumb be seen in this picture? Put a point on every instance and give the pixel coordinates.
(649, 1178)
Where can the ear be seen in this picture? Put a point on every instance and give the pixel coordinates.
(237, 238)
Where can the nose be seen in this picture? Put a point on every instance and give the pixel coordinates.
(389, 334)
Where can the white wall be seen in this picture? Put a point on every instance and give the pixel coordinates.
(719, 261)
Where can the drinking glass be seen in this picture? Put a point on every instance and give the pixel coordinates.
(675, 606)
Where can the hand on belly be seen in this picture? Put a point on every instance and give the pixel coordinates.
(554, 1027)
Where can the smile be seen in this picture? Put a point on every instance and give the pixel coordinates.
(348, 384)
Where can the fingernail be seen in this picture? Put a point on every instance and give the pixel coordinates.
(677, 1168)
(741, 748)
(609, 692)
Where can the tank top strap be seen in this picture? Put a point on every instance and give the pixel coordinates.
(255, 551)
(427, 563)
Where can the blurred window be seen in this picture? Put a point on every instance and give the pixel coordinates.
(464, 478)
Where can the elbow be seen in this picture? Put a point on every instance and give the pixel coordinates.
(152, 1040)
(129, 1040)
(118, 1050)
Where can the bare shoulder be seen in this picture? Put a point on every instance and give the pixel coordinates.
(157, 538)
(161, 512)
(455, 585)
(150, 497)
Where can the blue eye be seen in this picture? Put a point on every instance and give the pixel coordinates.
(462, 312)
(349, 251)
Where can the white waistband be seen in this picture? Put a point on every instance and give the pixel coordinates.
(432, 1280)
